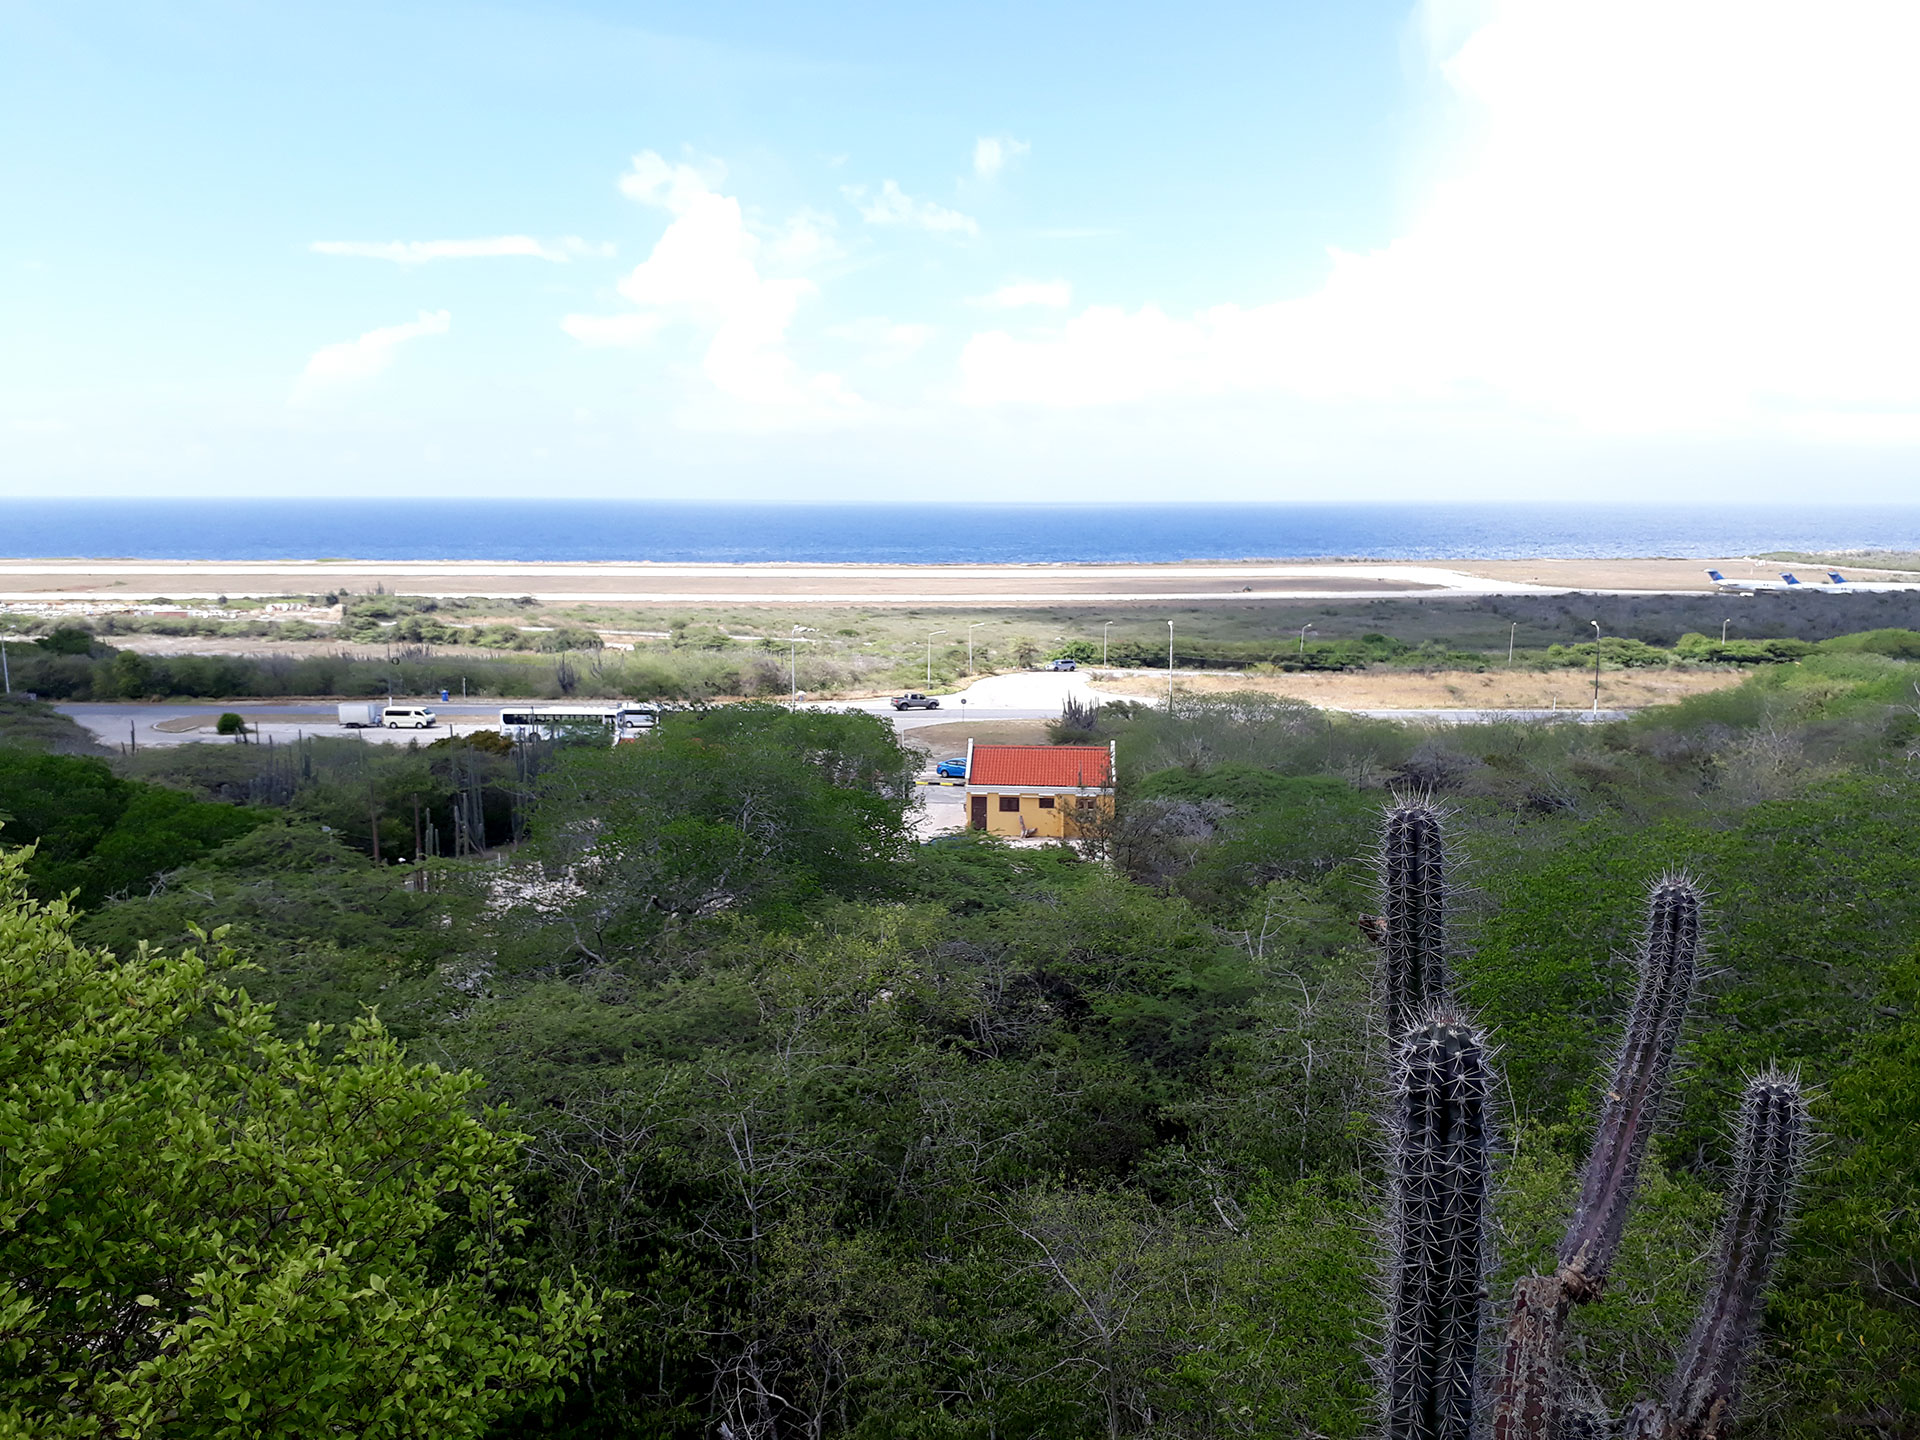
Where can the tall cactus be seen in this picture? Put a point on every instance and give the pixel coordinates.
(1669, 959)
(1437, 1216)
(1441, 1133)
(1412, 928)
(1773, 1146)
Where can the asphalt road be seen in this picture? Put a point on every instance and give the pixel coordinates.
(1030, 695)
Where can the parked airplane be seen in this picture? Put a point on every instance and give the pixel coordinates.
(1787, 581)
(1835, 577)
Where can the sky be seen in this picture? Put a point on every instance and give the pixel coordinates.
(1464, 250)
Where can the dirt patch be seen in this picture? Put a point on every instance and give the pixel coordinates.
(951, 739)
(1440, 689)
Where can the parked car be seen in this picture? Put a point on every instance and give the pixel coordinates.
(914, 700)
(953, 769)
(1062, 665)
(411, 717)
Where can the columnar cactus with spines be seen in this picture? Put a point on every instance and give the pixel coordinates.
(1773, 1145)
(1441, 1131)
(1441, 1163)
(1413, 919)
(1669, 958)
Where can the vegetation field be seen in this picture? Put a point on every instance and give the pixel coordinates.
(562, 1091)
(408, 645)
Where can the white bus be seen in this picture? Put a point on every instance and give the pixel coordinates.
(617, 721)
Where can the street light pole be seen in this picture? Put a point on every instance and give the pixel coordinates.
(793, 663)
(930, 635)
(6, 673)
(1512, 631)
(1303, 636)
(1596, 669)
(970, 630)
(1169, 667)
(1723, 629)
(1104, 630)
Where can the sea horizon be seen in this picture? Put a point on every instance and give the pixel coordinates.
(924, 533)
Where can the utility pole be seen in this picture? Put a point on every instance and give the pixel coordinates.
(930, 635)
(793, 663)
(1169, 667)
(1104, 630)
(1596, 669)
(1511, 632)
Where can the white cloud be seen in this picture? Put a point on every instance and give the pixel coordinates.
(892, 206)
(991, 154)
(1046, 294)
(672, 187)
(705, 271)
(887, 342)
(418, 252)
(1658, 216)
(371, 353)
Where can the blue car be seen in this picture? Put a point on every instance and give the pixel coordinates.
(954, 769)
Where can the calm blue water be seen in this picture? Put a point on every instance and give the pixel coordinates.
(921, 534)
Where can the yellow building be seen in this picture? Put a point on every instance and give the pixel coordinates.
(1038, 790)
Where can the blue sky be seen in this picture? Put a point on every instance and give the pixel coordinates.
(1527, 248)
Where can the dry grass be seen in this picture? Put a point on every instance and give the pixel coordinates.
(1441, 689)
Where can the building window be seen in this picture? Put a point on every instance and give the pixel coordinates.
(1046, 802)
(1085, 802)
(1010, 803)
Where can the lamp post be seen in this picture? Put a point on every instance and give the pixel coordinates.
(970, 630)
(793, 663)
(1596, 669)
(1512, 631)
(6, 674)
(1303, 636)
(1104, 630)
(1723, 629)
(930, 635)
(1169, 667)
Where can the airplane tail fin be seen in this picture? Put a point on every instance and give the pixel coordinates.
(1716, 577)
(1789, 577)
(1836, 577)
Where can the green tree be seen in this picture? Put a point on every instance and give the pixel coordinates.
(206, 1230)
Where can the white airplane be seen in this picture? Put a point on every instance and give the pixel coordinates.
(1836, 578)
(1787, 581)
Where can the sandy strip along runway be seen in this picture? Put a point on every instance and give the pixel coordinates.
(651, 583)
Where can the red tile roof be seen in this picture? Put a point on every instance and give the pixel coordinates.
(1040, 765)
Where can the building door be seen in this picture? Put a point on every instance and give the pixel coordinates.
(979, 817)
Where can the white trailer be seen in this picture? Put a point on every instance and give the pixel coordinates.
(618, 721)
(363, 715)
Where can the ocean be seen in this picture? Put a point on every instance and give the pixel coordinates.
(583, 530)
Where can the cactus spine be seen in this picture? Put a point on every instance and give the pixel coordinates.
(1773, 1144)
(1438, 1201)
(1413, 922)
(1440, 1166)
(1669, 959)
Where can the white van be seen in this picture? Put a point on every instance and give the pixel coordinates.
(410, 717)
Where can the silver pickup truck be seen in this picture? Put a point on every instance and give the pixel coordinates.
(914, 700)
